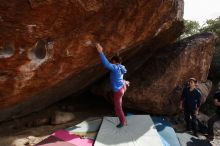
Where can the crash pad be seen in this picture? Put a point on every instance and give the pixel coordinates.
(140, 131)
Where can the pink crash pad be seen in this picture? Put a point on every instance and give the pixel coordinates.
(64, 138)
(73, 139)
(53, 141)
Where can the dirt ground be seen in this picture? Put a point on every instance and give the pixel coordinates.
(33, 128)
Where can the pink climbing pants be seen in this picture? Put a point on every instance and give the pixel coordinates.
(118, 103)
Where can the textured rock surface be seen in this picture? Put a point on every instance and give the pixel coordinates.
(62, 117)
(157, 85)
(45, 46)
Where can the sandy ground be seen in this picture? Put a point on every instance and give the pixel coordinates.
(33, 128)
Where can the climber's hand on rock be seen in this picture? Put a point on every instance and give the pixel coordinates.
(99, 47)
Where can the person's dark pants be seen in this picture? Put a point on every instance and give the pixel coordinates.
(211, 122)
(191, 121)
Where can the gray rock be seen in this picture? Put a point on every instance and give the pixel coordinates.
(42, 121)
(62, 117)
(20, 142)
(216, 128)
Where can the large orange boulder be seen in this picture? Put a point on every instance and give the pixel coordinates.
(46, 46)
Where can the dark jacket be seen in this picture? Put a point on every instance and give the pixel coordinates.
(191, 99)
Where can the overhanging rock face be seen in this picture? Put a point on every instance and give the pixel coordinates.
(46, 50)
(156, 86)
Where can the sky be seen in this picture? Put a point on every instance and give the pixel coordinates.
(201, 10)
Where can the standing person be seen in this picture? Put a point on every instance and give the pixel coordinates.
(190, 103)
(119, 85)
(215, 117)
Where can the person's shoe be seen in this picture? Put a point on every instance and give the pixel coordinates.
(210, 137)
(188, 130)
(195, 134)
(120, 125)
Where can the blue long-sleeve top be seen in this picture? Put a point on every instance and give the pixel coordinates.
(117, 72)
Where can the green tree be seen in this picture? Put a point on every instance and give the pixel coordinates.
(211, 25)
(191, 28)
